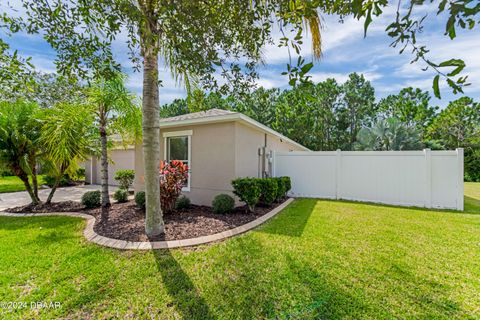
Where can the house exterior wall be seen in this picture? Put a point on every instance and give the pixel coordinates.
(247, 142)
(120, 159)
(220, 152)
(139, 182)
(212, 160)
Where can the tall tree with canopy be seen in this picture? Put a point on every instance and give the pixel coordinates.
(358, 107)
(16, 73)
(197, 39)
(411, 106)
(458, 126)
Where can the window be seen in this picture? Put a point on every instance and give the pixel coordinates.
(178, 147)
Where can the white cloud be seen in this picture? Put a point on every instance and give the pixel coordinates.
(345, 51)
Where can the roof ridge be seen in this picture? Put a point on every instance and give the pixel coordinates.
(199, 115)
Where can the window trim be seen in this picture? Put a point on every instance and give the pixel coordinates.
(177, 133)
(183, 133)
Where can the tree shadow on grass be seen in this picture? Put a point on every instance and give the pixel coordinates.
(257, 283)
(294, 218)
(186, 297)
(472, 205)
(431, 299)
(325, 299)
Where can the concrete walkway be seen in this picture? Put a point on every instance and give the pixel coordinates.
(15, 199)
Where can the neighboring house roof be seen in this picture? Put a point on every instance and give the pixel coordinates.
(218, 115)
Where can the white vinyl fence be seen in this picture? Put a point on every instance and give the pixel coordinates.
(431, 179)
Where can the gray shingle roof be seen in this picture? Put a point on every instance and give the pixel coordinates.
(199, 115)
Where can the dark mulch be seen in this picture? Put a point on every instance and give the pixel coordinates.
(64, 206)
(127, 222)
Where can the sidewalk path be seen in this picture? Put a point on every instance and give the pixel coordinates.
(15, 199)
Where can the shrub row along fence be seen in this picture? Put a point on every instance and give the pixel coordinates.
(431, 179)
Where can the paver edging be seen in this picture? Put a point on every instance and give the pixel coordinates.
(92, 236)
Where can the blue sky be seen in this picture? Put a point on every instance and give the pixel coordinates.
(345, 50)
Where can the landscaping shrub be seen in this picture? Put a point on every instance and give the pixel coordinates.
(140, 199)
(280, 188)
(248, 190)
(182, 203)
(91, 199)
(80, 173)
(268, 189)
(223, 203)
(65, 181)
(172, 177)
(125, 178)
(287, 183)
(121, 195)
(6, 172)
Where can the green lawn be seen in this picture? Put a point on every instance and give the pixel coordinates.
(318, 259)
(14, 184)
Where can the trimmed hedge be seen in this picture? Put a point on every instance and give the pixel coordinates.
(248, 190)
(223, 203)
(281, 188)
(182, 203)
(140, 199)
(125, 178)
(267, 190)
(121, 195)
(287, 183)
(91, 199)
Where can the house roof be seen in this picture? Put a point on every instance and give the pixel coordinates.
(219, 115)
(199, 115)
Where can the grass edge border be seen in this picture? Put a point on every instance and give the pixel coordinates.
(92, 236)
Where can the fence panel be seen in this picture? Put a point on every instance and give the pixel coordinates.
(431, 179)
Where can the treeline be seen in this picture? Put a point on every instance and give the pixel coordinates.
(331, 115)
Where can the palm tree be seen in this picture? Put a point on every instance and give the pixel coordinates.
(389, 134)
(66, 139)
(19, 150)
(111, 101)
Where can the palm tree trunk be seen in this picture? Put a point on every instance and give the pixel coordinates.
(24, 177)
(54, 188)
(104, 176)
(33, 166)
(151, 142)
(35, 182)
(29, 189)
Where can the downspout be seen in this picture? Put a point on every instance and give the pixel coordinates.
(264, 157)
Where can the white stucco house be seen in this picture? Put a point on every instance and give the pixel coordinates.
(217, 145)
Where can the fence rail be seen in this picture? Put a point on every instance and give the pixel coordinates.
(431, 179)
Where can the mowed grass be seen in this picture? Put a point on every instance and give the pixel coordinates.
(14, 184)
(317, 259)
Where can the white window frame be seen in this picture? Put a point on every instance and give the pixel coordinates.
(183, 133)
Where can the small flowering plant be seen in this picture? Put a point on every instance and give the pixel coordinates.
(173, 176)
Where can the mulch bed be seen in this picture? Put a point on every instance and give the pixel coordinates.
(127, 222)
